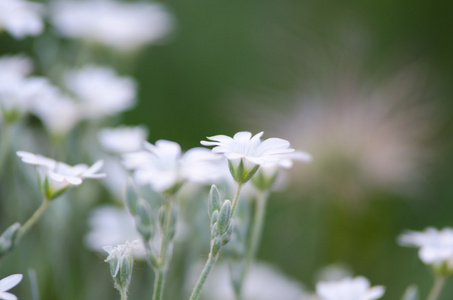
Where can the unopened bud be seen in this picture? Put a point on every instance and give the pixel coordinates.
(8, 238)
(224, 216)
(144, 220)
(227, 235)
(213, 200)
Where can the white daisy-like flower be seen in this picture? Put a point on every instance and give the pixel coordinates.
(264, 282)
(110, 225)
(165, 167)
(249, 151)
(101, 91)
(56, 177)
(122, 139)
(436, 246)
(8, 283)
(357, 288)
(21, 18)
(122, 26)
(58, 112)
(15, 66)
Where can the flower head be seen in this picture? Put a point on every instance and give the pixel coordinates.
(436, 246)
(165, 168)
(122, 26)
(101, 91)
(122, 139)
(121, 261)
(56, 177)
(245, 153)
(8, 283)
(21, 18)
(357, 288)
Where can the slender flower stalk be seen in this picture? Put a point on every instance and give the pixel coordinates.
(254, 238)
(32, 220)
(165, 252)
(439, 282)
(236, 198)
(123, 294)
(201, 280)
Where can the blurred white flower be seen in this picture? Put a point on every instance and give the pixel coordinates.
(264, 282)
(21, 18)
(15, 66)
(112, 226)
(122, 139)
(436, 246)
(17, 95)
(8, 283)
(164, 167)
(123, 26)
(56, 177)
(58, 112)
(101, 91)
(121, 252)
(357, 288)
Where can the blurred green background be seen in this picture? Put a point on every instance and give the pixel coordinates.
(232, 65)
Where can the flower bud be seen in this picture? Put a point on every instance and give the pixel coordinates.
(8, 237)
(215, 217)
(213, 200)
(216, 244)
(144, 220)
(227, 235)
(131, 196)
(224, 216)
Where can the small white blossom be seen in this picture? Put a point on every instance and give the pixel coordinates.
(15, 66)
(357, 288)
(263, 282)
(101, 91)
(57, 176)
(246, 153)
(21, 18)
(164, 167)
(58, 112)
(121, 252)
(123, 26)
(122, 139)
(436, 246)
(8, 283)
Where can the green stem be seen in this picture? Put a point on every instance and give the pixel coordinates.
(439, 282)
(5, 140)
(32, 220)
(161, 272)
(254, 237)
(159, 284)
(236, 198)
(207, 268)
(123, 294)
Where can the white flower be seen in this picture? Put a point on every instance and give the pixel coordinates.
(121, 252)
(122, 139)
(357, 288)
(164, 167)
(58, 112)
(21, 18)
(112, 226)
(17, 94)
(56, 177)
(436, 246)
(101, 91)
(8, 283)
(264, 282)
(123, 26)
(15, 66)
(248, 150)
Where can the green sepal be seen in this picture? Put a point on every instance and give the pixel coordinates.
(8, 238)
(213, 200)
(224, 216)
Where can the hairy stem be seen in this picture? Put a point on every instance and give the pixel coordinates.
(32, 220)
(207, 268)
(236, 198)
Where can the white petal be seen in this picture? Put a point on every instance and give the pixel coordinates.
(374, 293)
(242, 136)
(7, 296)
(10, 282)
(219, 138)
(273, 146)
